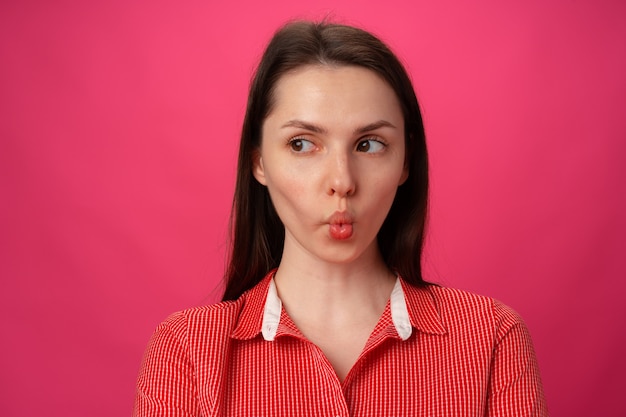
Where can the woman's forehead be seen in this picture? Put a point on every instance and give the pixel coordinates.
(334, 93)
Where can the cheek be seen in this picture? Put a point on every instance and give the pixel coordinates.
(386, 182)
(291, 180)
(382, 192)
(288, 193)
(386, 194)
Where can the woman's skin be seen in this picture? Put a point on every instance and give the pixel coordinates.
(332, 157)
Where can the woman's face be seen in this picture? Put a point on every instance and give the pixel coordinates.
(332, 158)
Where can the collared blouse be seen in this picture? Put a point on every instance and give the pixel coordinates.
(434, 352)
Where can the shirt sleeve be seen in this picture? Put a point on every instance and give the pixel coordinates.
(166, 385)
(515, 387)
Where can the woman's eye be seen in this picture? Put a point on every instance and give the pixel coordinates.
(370, 145)
(301, 145)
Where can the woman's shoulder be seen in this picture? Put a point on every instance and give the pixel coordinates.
(218, 318)
(458, 298)
(460, 309)
(220, 321)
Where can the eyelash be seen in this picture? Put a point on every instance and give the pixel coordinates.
(292, 141)
(372, 139)
(296, 139)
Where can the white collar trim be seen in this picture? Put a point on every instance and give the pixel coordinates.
(271, 313)
(399, 312)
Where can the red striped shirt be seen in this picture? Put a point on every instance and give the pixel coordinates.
(434, 352)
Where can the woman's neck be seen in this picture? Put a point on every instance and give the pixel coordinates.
(335, 305)
(317, 292)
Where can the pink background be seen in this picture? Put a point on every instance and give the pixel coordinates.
(119, 124)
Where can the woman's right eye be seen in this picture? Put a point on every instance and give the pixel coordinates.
(301, 145)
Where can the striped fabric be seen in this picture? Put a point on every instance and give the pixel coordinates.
(466, 356)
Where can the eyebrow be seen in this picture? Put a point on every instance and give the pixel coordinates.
(304, 125)
(318, 129)
(374, 126)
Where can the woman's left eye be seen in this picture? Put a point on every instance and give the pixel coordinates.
(300, 145)
(370, 145)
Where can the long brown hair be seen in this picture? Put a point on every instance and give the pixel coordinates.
(257, 234)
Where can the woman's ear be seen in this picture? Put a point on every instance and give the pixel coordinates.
(257, 167)
(404, 176)
(405, 169)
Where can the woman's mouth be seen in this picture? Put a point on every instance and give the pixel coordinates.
(340, 226)
(340, 231)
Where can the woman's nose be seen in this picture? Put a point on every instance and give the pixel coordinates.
(341, 179)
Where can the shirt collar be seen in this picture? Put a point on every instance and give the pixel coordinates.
(423, 309)
(271, 313)
(411, 307)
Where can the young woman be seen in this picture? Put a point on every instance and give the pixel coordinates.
(325, 312)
